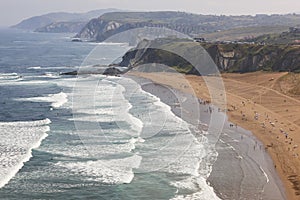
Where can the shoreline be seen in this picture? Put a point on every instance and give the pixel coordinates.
(251, 157)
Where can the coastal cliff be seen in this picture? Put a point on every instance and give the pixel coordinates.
(238, 58)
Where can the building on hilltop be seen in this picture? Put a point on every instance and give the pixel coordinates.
(199, 39)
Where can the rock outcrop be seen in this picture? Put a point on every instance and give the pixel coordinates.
(112, 71)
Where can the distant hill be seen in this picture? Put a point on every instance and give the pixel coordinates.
(40, 23)
(192, 24)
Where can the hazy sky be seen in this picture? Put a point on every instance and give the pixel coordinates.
(13, 11)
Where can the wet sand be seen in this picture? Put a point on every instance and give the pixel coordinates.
(244, 169)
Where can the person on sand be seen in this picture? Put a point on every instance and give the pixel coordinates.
(256, 116)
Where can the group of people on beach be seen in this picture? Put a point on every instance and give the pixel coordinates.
(268, 120)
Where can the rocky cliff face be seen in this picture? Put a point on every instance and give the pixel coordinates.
(239, 58)
(247, 58)
(91, 30)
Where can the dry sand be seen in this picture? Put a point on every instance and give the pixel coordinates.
(255, 103)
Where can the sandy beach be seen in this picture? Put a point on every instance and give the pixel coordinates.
(256, 102)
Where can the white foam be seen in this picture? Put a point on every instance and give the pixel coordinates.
(265, 174)
(51, 75)
(139, 139)
(112, 44)
(37, 67)
(115, 171)
(19, 81)
(9, 77)
(104, 101)
(8, 74)
(17, 141)
(124, 111)
(200, 187)
(57, 100)
(98, 100)
(61, 67)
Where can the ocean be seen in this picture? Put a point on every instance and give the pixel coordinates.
(98, 137)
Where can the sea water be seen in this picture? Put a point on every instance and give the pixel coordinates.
(90, 136)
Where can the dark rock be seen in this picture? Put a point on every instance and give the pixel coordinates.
(76, 40)
(112, 71)
(73, 73)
